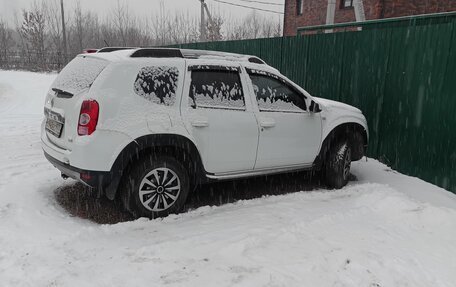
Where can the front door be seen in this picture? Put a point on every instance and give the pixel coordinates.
(220, 119)
(290, 135)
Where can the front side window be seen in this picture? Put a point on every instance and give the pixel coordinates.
(216, 89)
(273, 94)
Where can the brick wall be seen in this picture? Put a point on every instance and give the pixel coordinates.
(314, 12)
(398, 8)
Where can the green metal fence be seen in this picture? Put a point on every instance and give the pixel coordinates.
(401, 74)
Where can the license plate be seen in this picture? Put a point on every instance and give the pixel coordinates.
(54, 127)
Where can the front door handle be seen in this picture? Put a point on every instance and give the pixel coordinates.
(200, 123)
(267, 123)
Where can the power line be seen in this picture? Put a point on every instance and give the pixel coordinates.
(249, 7)
(262, 2)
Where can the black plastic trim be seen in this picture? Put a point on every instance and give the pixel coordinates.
(98, 179)
(256, 60)
(343, 130)
(145, 144)
(157, 53)
(113, 49)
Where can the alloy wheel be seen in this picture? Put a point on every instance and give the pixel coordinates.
(159, 189)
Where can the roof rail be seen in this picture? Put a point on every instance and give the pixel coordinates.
(157, 53)
(192, 54)
(197, 54)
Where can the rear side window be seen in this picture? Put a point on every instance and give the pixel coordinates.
(157, 84)
(79, 74)
(216, 89)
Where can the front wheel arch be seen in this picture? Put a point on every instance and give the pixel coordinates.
(354, 133)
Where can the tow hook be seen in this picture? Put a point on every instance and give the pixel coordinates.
(64, 176)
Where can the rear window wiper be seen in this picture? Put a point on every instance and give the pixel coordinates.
(62, 93)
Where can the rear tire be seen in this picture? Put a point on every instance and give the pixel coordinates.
(337, 167)
(155, 187)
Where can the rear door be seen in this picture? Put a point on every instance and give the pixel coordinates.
(62, 104)
(220, 118)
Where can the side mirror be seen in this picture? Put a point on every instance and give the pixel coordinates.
(314, 107)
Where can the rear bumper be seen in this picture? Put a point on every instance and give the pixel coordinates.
(95, 179)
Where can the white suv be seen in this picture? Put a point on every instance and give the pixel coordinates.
(147, 124)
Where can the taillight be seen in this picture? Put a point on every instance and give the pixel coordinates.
(88, 117)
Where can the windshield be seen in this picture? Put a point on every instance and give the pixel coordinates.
(79, 74)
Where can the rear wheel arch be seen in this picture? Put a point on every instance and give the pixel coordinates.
(177, 146)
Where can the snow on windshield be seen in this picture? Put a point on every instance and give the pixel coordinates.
(157, 84)
(79, 74)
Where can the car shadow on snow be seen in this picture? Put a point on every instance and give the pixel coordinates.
(80, 201)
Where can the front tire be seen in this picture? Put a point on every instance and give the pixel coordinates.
(155, 187)
(337, 167)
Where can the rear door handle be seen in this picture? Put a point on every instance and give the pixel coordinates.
(267, 123)
(200, 123)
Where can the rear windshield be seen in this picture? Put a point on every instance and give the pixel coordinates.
(79, 74)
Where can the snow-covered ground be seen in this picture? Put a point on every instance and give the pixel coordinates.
(385, 229)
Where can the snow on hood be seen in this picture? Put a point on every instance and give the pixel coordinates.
(338, 105)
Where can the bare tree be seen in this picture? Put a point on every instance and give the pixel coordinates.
(38, 31)
(278, 32)
(32, 32)
(6, 43)
(252, 27)
(93, 31)
(52, 15)
(182, 28)
(159, 26)
(214, 28)
(79, 26)
(84, 30)
(122, 21)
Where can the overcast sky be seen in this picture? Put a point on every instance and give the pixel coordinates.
(8, 8)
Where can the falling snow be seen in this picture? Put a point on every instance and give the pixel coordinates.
(385, 229)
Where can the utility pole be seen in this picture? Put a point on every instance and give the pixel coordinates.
(203, 23)
(65, 55)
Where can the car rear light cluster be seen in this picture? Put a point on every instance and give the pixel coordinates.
(88, 117)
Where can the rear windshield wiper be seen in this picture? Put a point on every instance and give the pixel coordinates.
(62, 93)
